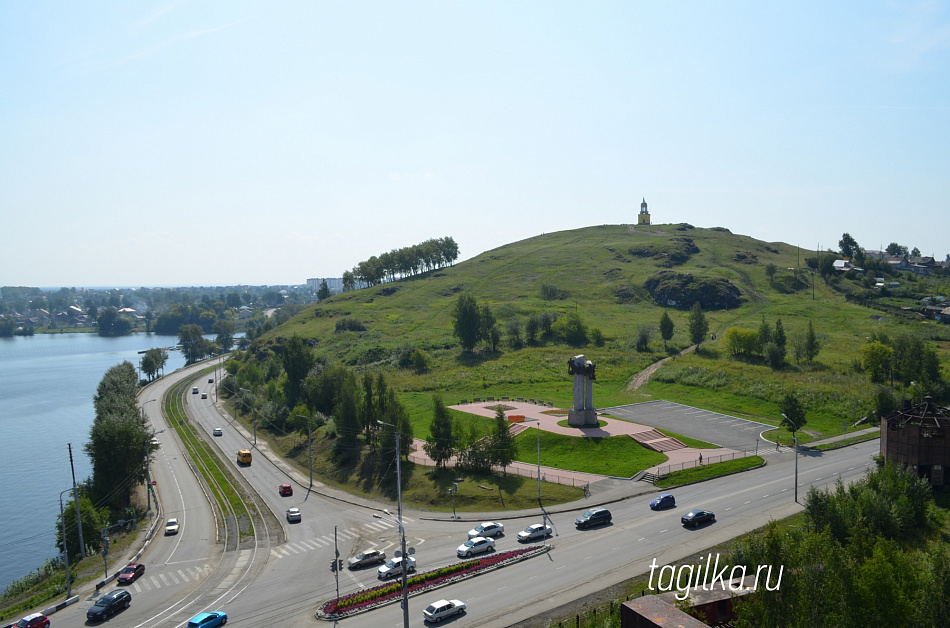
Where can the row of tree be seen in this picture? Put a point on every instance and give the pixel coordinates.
(870, 554)
(770, 343)
(474, 452)
(407, 261)
(119, 442)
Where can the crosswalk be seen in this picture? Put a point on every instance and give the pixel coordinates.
(349, 534)
(172, 577)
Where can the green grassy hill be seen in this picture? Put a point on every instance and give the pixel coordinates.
(600, 272)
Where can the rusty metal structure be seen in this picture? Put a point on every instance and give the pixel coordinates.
(919, 436)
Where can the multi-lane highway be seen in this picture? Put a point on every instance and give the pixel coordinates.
(281, 575)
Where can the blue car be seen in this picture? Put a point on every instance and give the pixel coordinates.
(662, 501)
(208, 620)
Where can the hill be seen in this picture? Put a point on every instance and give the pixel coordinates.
(619, 279)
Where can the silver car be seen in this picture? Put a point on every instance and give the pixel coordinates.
(489, 528)
(369, 557)
(475, 546)
(437, 611)
(293, 515)
(534, 531)
(394, 568)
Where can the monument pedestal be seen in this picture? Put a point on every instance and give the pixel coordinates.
(582, 418)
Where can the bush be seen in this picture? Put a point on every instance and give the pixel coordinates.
(421, 362)
(349, 324)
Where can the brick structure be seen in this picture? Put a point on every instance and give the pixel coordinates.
(919, 436)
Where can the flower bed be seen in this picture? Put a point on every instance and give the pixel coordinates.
(421, 582)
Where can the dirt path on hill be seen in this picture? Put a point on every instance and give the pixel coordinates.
(643, 376)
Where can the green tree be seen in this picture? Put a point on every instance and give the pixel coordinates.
(441, 444)
(224, 329)
(876, 361)
(118, 439)
(572, 328)
(513, 333)
(779, 335)
(532, 329)
(793, 413)
(896, 249)
(324, 292)
(190, 337)
(847, 245)
(770, 270)
(806, 345)
(642, 342)
(504, 448)
(297, 358)
(488, 330)
(153, 361)
(467, 323)
(92, 520)
(698, 326)
(666, 328)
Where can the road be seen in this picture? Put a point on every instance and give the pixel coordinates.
(287, 574)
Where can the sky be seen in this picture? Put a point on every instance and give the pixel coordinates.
(222, 143)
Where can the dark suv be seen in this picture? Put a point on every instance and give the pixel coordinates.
(593, 517)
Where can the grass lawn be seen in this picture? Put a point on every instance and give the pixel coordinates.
(689, 442)
(615, 455)
(708, 471)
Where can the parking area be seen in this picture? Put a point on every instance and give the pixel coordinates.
(712, 427)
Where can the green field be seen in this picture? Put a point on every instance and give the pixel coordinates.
(600, 273)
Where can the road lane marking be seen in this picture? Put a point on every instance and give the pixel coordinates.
(662, 531)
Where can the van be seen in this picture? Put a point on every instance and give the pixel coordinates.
(244, 456)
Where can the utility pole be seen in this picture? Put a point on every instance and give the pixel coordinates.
(253, 412)
(402, 531)
(62, 520)
(309, 445)
(336, 564)
(82, 545)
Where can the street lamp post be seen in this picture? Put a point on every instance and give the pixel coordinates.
(148, 455)
(402, 530)
(62, 519)
(795, 437)
(253, 412)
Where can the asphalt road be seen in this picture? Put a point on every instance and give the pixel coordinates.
(712, 427)
(287, 575)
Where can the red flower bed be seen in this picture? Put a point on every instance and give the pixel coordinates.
(361, 600)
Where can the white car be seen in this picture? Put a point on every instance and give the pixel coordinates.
(394, 568)
(217, 431)
(489, 528)
(437, 611)
(171, 527)
(535, 531)
(475, 546)
(293, 514)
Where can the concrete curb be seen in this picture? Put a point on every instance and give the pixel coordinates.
(531, 553)
(716, 477)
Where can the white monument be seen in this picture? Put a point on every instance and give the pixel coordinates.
(583, 413)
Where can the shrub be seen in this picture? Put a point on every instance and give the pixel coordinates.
(349, 324)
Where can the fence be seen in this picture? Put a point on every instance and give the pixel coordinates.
(691, 464)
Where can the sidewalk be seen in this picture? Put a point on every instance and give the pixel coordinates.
(845, 436)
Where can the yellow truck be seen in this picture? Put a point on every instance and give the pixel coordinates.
(244, 457)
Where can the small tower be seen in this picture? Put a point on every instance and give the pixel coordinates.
(644, 217)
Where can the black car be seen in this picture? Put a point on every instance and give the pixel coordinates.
(696, 517)
(593, 517)
(109, 604)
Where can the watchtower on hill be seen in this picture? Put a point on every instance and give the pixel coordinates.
(644, 217)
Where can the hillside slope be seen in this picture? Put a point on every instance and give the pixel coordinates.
(600, 273)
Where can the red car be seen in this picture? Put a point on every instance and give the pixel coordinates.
(285, 490)
(131, 573)
(36, 620)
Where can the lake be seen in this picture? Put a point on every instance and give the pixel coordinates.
(47, 383)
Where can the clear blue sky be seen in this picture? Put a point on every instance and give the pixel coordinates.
(210, 143)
